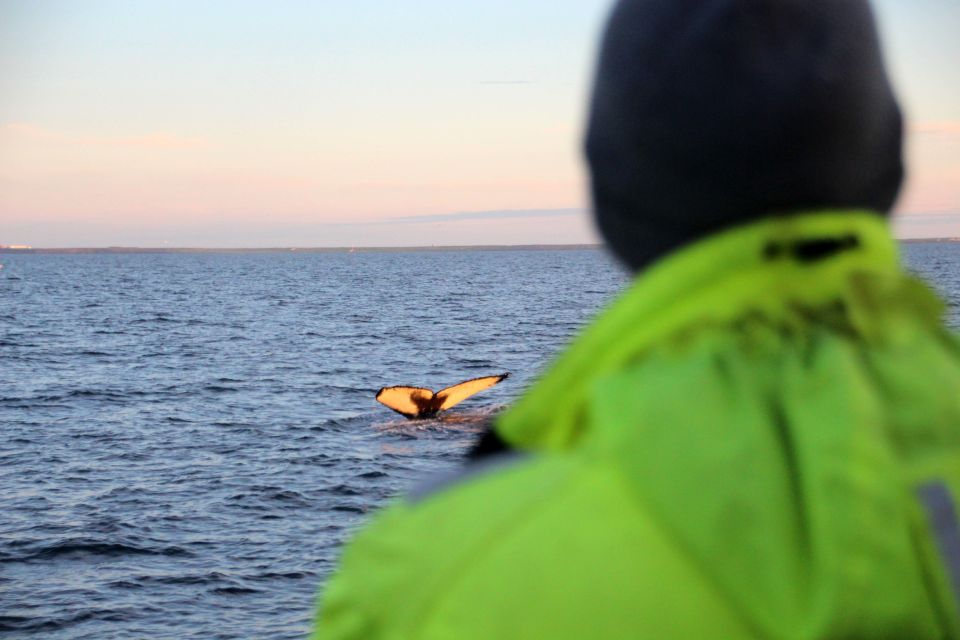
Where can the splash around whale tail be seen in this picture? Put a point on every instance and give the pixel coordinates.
(417, 402)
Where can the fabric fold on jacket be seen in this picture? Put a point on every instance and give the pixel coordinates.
(719, 281)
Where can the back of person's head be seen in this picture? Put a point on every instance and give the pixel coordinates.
(707, 114)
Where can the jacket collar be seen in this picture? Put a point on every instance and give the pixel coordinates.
(772, 267)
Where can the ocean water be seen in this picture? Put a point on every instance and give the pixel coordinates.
(186, 440)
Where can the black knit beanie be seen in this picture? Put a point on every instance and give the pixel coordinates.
(710, 113)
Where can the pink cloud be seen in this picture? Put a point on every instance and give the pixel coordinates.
(942, 128)
(154, 140)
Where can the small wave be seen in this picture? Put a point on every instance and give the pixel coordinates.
(102, 394)
(159, 318)
(125, 584)
(215, 388)
(343, 423)
(14, 623)
(286, 575)
(288, 496)
(349, 508)
(85, 548)
(319, 460)
(212, 577)
(33, 625)
(270, 494)
(233, 425)
(108, 395)
(32, 405)
(344, 490)
(233, 591)
(50, 624)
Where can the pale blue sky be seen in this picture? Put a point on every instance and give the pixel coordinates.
(234, 123)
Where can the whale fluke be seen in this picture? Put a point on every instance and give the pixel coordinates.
(417, 402)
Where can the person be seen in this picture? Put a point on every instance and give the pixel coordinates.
(761, 437)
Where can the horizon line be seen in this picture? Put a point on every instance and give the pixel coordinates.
(305, 249)
(26, 249)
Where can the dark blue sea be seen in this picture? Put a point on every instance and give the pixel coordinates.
(187, 439)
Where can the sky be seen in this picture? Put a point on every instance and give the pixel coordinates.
(230, 123)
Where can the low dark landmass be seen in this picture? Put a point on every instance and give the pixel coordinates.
(518, 247)
(523, 247)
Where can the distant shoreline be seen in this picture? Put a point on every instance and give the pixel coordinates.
(492, 247)
(123, 250)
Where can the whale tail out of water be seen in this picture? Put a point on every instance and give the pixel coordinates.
(416, 402)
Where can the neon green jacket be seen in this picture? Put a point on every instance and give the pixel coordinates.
(760, 439)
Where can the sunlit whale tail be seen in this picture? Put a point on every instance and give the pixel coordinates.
(416, 402)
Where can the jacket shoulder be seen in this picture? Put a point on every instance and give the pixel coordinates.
(552, 546)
